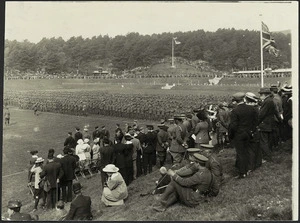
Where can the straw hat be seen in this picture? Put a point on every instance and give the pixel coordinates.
(39, 160)
(110, 168)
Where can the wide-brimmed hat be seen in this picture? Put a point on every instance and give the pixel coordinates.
(264, 90)
(86, 140)
(251, 96)
(96, 140)
(110, 168)
(14, 204)
(79, 141)
(127, 136)
(39, 160)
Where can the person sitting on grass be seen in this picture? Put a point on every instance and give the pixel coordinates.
(80, 208)
(14, 214)
(115, 189)
(163, 181)
(190, 184)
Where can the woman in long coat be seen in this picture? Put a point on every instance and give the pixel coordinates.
(115, 189)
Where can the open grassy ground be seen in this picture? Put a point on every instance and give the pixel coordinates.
(265, 195)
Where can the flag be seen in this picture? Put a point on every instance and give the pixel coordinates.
(268, 41)
(176, 42)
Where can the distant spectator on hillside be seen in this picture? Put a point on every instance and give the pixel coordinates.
(7, 116)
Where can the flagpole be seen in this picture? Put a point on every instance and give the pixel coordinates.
(173, 52)
(261, 56)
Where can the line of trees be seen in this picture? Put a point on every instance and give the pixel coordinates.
(225, 49)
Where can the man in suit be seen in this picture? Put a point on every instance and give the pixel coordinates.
(243, 119)
(14, 214)
(266, 115)
(68, 163)
(141, 136)
(149, 149)
(78, 135)
(53, 173)
(80, 208)
(70, 141)
(106, 157)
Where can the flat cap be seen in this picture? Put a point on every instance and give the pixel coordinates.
(14, 204)
(251, 96)
(200, 158)
(238, 96)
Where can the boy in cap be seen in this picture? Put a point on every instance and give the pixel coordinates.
(80, 208)
(190, 184)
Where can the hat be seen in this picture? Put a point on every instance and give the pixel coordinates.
(14, 204)
(149, 126)
(163, 170)
(86, 140)
(238, 96)
(59, 156)
(171, 119)
(85, 129)
(189, 116)
(79, 141)
(193, 150)
(162, 121)
(77, 128)
(160, 126)
(274, 87)
(251, 96)
(127, 136)
(76, 187)
(200, 158)
(208, 146)
(196, 110)
(110, 168)
(286, 89)
(39, 160)
(264, 90)
(96, 140)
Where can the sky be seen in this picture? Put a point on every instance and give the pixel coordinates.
(35, 20)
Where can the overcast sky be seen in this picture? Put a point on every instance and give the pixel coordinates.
(35, 20)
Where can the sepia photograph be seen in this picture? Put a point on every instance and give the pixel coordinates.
(150, 111)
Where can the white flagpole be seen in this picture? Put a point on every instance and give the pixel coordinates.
(261, 56)
(172, 52)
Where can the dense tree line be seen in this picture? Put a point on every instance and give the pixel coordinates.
(225, 49)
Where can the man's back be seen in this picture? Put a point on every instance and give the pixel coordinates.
(80, 208)
(106, 154)
(68, 165)
(17, 216)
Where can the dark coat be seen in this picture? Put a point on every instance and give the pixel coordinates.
(70, 141)
(151, 138)
(120, 151)
(80, 209)
(52, 171)
(107, 156)
(77, 136)
(243, 121)
(17, 216)
(96, 134)
(68, 163)
(266, 115)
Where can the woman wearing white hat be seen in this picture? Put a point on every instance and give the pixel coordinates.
(115, 189)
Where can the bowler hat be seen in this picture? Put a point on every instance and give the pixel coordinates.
(264, 90)
(77, 187)
(110, 168)
(14, 204)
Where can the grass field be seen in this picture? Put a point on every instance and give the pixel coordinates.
(265, 195)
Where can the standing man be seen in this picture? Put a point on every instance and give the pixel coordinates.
(80, 208)
(149, 149)
(266, 117)
(287, 112)
(243, 120)
(53, 173)
(106, 157)
(68, 163)
(136, 147)
(70, 141)
(7, 116)
(178, 146)
(78, 135)
(162, 143)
